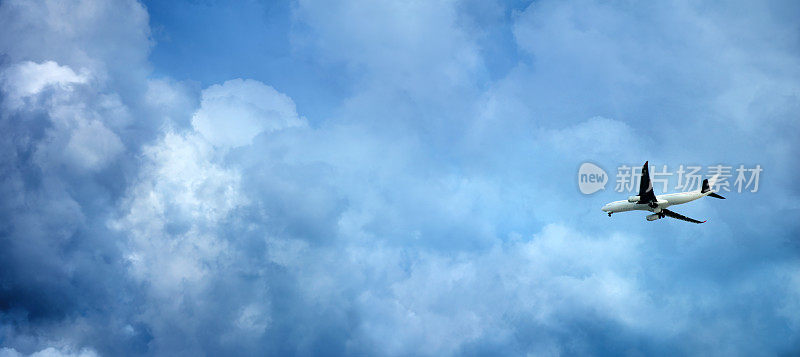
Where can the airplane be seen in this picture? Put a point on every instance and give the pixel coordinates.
(647, 201)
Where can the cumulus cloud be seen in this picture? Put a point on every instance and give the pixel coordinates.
(110, 38)
(27, 79)
(66, 121)
(49, 352)
(79, 135)
(407, 44)
(233, 113)
(432, 213)
(179, 214)
(180, 196)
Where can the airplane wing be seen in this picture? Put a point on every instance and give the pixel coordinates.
(679, 216)
(646, 194)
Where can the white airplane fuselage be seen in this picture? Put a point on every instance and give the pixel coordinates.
(663, 201)
(647, 201)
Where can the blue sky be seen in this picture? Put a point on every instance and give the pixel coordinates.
(392, 178)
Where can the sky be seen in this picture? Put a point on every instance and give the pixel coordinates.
(361, 177)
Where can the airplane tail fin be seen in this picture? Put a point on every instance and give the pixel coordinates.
(707, 187)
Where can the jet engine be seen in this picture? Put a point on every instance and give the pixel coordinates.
(653, 217)
(633, 199)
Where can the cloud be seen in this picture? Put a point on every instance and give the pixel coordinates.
(649, 79)
(49, 352)
(110, 38)
(432, 212)
(66, 112)
(27, 79)
(180, 195)
(78, 135)
(181, 213)
(233, 113)
(590, 139)
(406, 44)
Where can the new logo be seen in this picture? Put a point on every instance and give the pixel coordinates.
(591, 178)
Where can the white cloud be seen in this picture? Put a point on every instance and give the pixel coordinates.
(233, 113)
(172, 220)
(80, 135)
(53, 352)
(415, 47)
(9, 352)
(28, 78)
(177, 213)
(184, 190)
(416, 301)
(50, 352)
(92, 145)
(110, 38)
(253, 318)
(379, 240)
(172, 101)
(596, 138)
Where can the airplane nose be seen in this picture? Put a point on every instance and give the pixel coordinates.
(605, 208)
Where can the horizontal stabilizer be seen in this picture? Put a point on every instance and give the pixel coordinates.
(715, 195)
